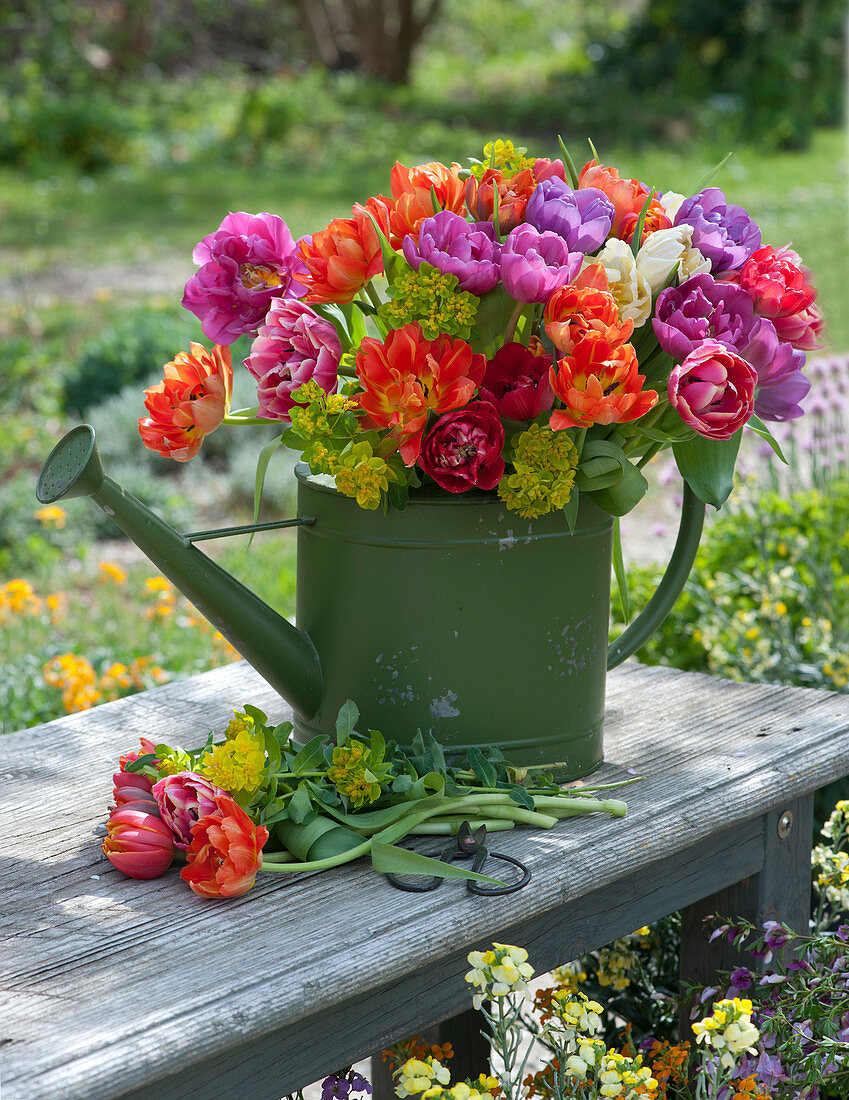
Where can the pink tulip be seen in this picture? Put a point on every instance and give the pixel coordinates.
(138, 843)
(183, 799)
(713, 390)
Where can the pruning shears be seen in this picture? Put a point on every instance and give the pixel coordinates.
(466, 845)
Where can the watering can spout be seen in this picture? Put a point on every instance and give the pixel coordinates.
(281, 654)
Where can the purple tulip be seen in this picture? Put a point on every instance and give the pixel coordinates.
(454, 246)
(247, 261)
(704, 309)
(534, 264)
(781, 385)
(582, 218)
(182, 800)
(293, 346)
(722, 232)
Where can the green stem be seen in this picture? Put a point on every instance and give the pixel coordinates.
(372, 295)
(320, 864)
(246, 420)
(451, 826)
(649, 455)
(514, 320)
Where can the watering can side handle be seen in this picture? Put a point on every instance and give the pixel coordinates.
(671, 583)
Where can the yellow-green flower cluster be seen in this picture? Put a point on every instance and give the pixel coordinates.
(237, 765)
(361, 474)
(317, 412)
(419, 1075)
(505, 157)
(544, 463)
(499, 972)
(350, 771)
(615, 963)
(623, 1077)
(432, 299)
(729, 1030)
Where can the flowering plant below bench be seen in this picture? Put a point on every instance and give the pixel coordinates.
(513, 326)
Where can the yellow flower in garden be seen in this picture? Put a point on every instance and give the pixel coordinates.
(157, 584)
(729, 1030)
(236, 765)
(241, 722)
(57, 605)
(577, 1013)
(109, 571)
(19, 596)
(417, 1076)
(625, 1078)
(568, 978)
(51, 516)
(499, 972)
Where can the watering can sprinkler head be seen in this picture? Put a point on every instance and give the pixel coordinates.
(281, 654)
(73, 468)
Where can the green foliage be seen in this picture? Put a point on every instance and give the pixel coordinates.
(132, 350)
(768, 599)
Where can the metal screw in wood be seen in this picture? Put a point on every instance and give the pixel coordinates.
(785, 824)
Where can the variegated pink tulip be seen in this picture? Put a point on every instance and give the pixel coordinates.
(183, 799)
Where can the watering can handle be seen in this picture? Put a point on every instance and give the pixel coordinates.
(671, 583)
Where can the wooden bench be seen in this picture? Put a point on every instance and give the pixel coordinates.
(112, 987)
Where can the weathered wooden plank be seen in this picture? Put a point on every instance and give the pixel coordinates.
(224, 976)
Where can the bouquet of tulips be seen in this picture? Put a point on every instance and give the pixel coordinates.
(514, 326)
(218, 806)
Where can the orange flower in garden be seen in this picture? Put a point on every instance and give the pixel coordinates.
(628, 196)
(189, 403)
(414, 188)
(343, 257)
(599, 384)
(574, 311)
(407, 377)
(225, 853)
(513, 195)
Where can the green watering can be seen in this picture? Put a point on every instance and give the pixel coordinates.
(454, 615)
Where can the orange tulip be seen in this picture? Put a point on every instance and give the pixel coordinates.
(225, 853)
(513, 195)
(189, 403)
(573, 311)
(599, 384)
(407, 377)
(628, 196)
(343, 257)
(656, 218)
(414, 188)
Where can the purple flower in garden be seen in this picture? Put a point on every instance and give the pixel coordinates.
(535, 264)
(247, 261)
(293, 346)
(741, 978)
(776, 936)
(339, 1086)
(722, 232)
(183, 799)
(582, 218)
(454, 246)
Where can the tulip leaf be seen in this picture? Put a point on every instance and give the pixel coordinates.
(707, 465)
(265, 456)
(299, 839)
(310, 755)
(300, 805)
(641, 221)
(570, 510)
(711, 172)
(594, 150)
(621, 573)
(624, 494)
(519, 795)
(757, 425)
(334, 842)
(346, 721)
(391, 259)
(481, 767)
(571, 171)
(390, 859)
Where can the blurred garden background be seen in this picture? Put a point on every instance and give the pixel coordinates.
(128, 128)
